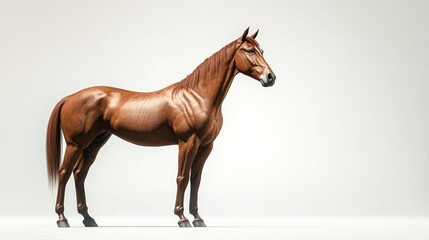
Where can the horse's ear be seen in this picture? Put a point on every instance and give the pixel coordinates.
(244, 36)
(255, 34)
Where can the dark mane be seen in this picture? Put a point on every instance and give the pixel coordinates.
(211, 64)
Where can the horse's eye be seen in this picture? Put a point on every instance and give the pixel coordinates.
(251, 51)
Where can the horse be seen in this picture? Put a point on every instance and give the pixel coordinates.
(186, 113)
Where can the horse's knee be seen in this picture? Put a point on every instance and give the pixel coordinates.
(179, 179)
(182, 180)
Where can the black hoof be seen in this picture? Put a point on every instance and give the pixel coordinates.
(89, 222)
(199, 223)
(184, 223)
(63, 223)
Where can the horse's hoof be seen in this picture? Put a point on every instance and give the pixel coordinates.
(199, 223)
(62, 223)
(184, 223)
(89, 222)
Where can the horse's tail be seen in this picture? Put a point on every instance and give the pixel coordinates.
(53, 143)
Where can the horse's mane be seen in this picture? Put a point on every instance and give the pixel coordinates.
(211, 64)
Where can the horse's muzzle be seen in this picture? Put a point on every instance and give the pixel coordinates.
(269, 80)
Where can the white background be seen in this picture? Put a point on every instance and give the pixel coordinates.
(343, 133)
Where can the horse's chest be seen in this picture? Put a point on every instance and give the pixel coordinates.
(190, 115)
(204, 125)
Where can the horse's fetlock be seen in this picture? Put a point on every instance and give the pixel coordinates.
(59, 208)
(194, 210)
(178, 210)
(81, 208)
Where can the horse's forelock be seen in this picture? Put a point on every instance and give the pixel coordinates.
(253, 41)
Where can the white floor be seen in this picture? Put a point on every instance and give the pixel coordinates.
(223, 229)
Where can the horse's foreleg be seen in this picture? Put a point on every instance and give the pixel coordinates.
(70, 157)
(196, 173)
(187, 152)
(81, 171)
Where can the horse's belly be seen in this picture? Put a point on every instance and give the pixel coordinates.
(156, 137)
(143, 122)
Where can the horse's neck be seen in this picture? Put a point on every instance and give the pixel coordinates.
(213, 85)
(218, 84)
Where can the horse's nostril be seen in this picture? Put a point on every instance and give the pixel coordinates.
(270, 77)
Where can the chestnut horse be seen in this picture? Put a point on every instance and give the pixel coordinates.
(186, 113)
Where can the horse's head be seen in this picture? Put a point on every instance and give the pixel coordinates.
(250, 61)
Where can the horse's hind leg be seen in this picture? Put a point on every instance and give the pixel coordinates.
(80, 172)
(70, 157)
